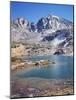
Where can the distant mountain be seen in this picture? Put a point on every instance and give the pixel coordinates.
(54, 30)
(53, 23)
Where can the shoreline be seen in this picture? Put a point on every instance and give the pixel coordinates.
(41, 87)
(43, 55)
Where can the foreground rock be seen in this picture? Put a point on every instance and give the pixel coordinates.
(41, 87)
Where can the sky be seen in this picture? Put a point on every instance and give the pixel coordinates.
(34, 11)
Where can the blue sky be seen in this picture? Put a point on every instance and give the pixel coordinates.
(33, 11)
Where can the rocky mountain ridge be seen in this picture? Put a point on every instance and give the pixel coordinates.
(53, 31)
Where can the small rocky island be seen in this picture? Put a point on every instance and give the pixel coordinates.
(20, 64)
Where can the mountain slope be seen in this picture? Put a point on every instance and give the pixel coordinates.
(54, 30)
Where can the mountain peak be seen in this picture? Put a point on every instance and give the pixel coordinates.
(55, 16)
(47, 28)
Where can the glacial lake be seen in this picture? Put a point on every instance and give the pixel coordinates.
(62, 69)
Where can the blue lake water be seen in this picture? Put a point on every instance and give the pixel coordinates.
(62, 69)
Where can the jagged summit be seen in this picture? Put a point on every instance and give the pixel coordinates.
(51, 22)
(48, 29)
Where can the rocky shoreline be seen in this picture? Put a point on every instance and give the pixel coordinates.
(20, 49)
(18, 63)
(41, 87)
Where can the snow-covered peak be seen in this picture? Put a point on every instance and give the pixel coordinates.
(53, 22)
(55, 16)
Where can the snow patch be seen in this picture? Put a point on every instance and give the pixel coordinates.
(56, 41)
